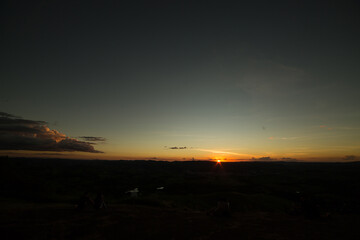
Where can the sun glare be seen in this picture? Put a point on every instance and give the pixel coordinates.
(218, 161)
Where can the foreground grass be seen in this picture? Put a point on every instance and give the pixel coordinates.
(124, 221)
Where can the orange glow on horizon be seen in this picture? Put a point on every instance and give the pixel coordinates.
(219, 159)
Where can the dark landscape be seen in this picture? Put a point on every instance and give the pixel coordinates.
(268, 200)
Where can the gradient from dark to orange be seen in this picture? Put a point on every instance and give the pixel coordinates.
(227, 80)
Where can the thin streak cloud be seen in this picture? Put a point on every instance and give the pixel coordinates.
(219, 152)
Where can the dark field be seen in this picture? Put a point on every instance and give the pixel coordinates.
(268, 200)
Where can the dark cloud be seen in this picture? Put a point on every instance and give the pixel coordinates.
(285, 159)
(263, 159)
(177, 148)
(93, 139)
(288, 159)
(4, 114)
(7, 120)
(22, 134)
(350, 158)
(51, 154)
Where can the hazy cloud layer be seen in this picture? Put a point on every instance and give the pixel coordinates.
(263, 159)
(350, 158)
(22, 134)
(284, 159)
(283, 138)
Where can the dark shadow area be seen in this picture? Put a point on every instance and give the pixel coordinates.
(41, 199)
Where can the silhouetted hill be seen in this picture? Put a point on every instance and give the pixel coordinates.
(275, 195)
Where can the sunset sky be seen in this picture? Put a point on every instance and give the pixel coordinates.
(175, 80)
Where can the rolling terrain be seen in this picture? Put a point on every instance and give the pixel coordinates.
(268, 200)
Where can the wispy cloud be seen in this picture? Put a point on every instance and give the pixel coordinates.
(283, 138)
(22, 134)
(263, 159)
(339, 128)
(326, 127)
(176, 148)
(218, 151)
(93, 139)
(287, 159)
(350, 158)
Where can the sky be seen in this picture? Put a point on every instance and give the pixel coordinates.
(177, 80)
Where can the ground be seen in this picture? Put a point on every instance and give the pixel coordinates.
(295, 201)
(56, 221)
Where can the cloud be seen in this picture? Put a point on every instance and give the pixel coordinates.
(350, 158)
(4, 114)
(93, 139)
(263, 159)
(284, 159)
(287, 159)
(218, 151)
(52, 154)
(341, 128)
(22, 134)
(326, 127)
(283, 138)
(176, 148)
